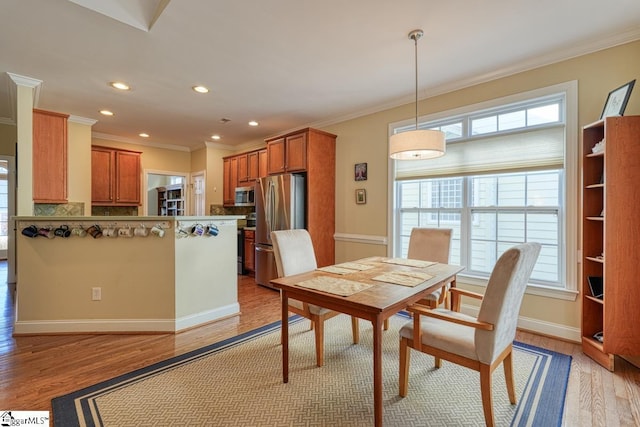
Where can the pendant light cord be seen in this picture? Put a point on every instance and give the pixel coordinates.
(415, 43)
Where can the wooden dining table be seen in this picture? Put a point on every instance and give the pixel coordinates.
(376, 303)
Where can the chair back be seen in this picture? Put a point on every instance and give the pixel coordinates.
(502, 299)
(293, 251)
(430, 244)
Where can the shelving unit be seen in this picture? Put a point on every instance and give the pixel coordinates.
(171, 200)
(610, 236)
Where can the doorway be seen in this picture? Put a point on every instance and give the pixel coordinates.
(198, 193)
(154, 179)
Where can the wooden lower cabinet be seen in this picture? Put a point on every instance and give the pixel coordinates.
(249, 250)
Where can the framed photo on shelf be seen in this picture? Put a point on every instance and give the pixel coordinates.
(360, 172)
(361, 196)
(617, 100)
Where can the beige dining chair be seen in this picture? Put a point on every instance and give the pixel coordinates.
(480, 343)
(294, 254)
(431, 244)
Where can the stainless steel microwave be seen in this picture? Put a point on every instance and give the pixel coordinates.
(245, 196)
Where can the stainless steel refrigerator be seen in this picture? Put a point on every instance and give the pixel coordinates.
(280, 205)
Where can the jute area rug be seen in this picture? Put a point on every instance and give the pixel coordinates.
(238, 382)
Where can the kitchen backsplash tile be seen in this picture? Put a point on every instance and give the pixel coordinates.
(65, 209)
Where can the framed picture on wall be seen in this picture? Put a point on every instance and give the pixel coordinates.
(361, 196)
(361, 172)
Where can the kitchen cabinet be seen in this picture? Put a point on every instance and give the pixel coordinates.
(230, 180)
(49, 157)
(254, 167)
(610, 248)
(262, 163)
(243, 168)
(115, 177)
(249, 250)
(313, 152)
(287, 154)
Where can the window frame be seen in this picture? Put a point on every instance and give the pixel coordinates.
(569, 192)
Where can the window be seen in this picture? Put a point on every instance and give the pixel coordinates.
(502, 182)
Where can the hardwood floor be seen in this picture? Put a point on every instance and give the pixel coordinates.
(35, 369)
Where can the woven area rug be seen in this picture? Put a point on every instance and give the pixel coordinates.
(238, 382)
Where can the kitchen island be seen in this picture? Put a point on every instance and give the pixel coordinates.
(154, 275)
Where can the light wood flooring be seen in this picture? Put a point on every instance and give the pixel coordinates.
(35, 369)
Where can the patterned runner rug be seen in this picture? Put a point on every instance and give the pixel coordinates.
(238, 382)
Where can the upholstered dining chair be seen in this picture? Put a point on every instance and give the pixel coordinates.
(431, 244)
(294, 254)
(480, 343)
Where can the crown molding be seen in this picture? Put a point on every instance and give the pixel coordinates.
(613, 40)
(116, 138)
(82, 120)
(219, 146)
(19, 80)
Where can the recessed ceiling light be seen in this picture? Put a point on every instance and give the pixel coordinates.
(200, 89)
(144, 135)
(216, 137)
(120, 85)
(106, 112)
(253, 123)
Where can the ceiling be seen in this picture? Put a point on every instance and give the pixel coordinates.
(284, 63)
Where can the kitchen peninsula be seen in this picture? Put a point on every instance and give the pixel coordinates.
(154, 275)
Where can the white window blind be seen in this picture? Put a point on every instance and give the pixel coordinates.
(530, 149)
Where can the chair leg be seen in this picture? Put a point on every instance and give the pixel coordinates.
(385, 325)
(405, 358)
(485, 391)
(508, 376)
(355, 329)
(438, 362)
(319, 333)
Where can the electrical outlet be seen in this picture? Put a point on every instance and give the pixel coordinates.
(96, 294)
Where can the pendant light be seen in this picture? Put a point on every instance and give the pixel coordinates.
(419, 143)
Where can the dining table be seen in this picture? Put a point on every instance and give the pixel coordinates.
(373, 289)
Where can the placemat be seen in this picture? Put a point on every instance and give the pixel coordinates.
(336, 270)
(334, 285)
(346, 268)
(409, 262)
(358, 266)
(404, 278)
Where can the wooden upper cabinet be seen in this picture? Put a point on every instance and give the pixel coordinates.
(115, 177)
(230, 180)
(276, 156)
(229, 190)
(287, 154)
(254, 166)
(262, 163)
(102, 163)
(127, 178)
(296, 149)
(243, 168)
(49, 157)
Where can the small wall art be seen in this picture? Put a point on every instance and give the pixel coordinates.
(361, 172)
(617, 100)
(361, 196)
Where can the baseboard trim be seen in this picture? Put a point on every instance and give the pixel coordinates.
(93, 326)
(187, 322)
(542, 327)
(122, 326)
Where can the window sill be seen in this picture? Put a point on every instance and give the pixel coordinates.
(543, 291)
